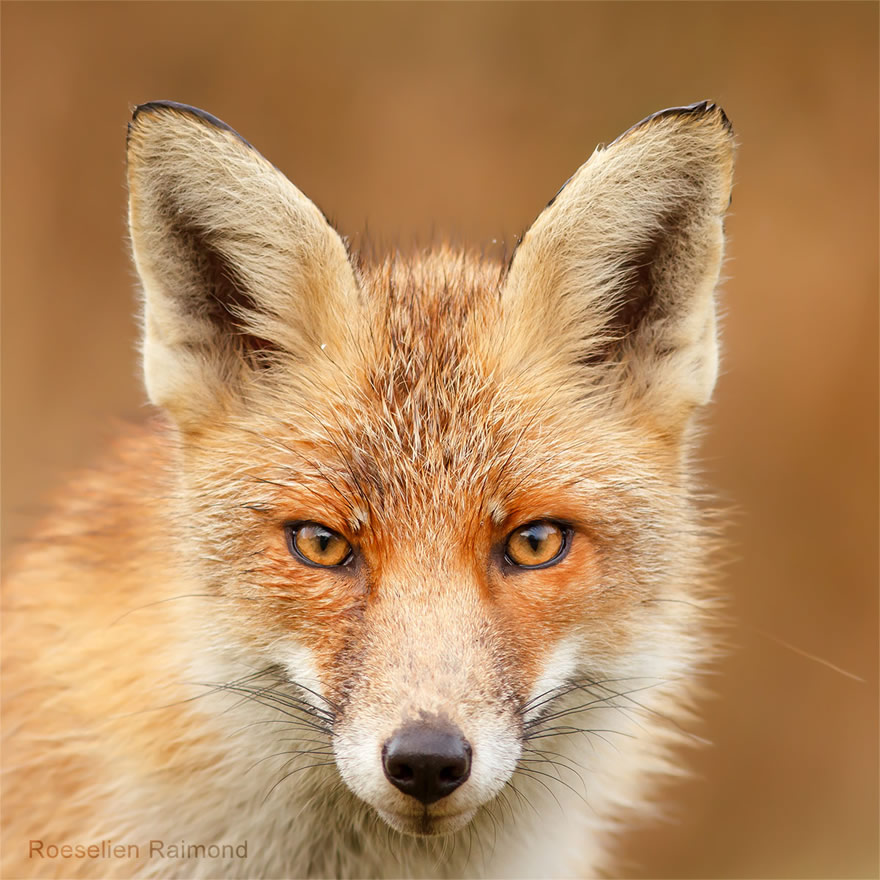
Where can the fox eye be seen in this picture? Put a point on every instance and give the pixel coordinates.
(315, 544)
(536, 544)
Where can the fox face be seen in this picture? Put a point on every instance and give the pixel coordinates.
(446, 502)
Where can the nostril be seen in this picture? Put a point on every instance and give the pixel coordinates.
(451, 774)
(427, 761)
(398, 770)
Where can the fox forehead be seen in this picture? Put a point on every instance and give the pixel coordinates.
(425, 408)
(434, 421)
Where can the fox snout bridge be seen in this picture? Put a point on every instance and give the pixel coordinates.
(427, 762)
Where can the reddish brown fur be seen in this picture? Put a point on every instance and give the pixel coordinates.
(426, 409)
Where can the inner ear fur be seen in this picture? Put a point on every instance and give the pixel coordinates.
(239, 269)
(616, 277)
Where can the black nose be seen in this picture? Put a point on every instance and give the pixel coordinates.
(427, 761)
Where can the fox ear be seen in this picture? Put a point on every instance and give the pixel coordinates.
(239, 268)
(616, 277)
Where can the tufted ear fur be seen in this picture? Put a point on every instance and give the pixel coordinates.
(619, 271)
(239, 269)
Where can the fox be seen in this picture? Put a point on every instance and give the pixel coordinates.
(408, 573)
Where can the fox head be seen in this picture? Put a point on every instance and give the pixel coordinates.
(449, 500)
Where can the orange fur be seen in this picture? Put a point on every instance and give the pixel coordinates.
(162, 644)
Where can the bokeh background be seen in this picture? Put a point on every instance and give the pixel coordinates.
(419, 119)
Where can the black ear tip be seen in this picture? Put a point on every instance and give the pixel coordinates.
(185, 109)
(700, 108)
(710, 108)
(725, 121)
(154, 106)
(176, 106)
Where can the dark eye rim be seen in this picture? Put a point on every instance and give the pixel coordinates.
(561, 553)
(290, 530)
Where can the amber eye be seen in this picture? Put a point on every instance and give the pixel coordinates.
(315, 544)
(536, 544)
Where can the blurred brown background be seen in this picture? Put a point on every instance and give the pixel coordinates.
(465, 119)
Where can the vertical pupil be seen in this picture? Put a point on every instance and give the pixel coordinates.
(535, 544)
(324, 538)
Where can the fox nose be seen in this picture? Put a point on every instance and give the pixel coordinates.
(426, 761)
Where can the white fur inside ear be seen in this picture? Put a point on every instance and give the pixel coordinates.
(686, 377)
(704, 361)
(180, 381)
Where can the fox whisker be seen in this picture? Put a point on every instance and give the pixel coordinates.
(294, 772)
